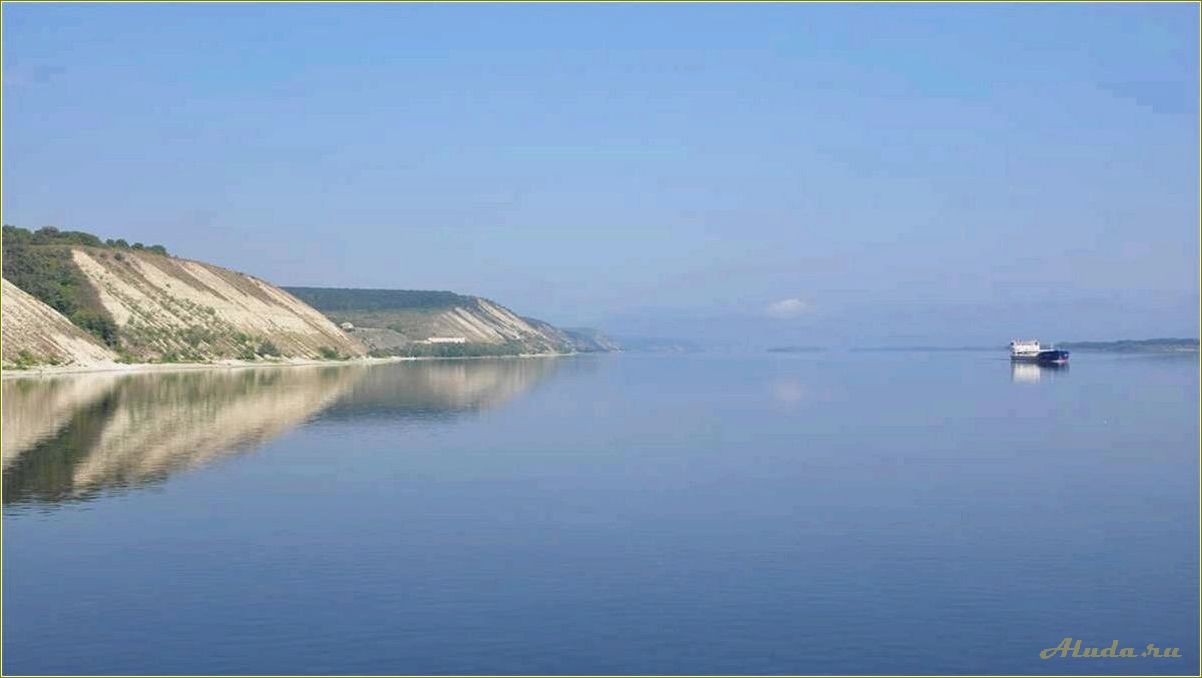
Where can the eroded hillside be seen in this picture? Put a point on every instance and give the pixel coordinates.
(136, 303)
(170, 308)
(408, 322)
(140, 304)
(34, 333)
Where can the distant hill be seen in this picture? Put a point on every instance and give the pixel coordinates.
(142, 305)
(440, 323)
(591, 340)
(796, 349)
(1162, 345)
(657, 344)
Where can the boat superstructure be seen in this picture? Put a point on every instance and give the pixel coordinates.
(1029, 350)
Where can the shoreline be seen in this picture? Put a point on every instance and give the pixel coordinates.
(232, 364)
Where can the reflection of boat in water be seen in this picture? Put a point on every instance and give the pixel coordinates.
(1031, 352)
(1030, 372)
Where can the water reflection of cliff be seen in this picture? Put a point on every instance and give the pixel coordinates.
(70, 437)
(439, 388)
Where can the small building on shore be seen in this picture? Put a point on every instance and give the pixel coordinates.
(447, 340)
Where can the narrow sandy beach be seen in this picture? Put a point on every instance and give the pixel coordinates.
(137, 368)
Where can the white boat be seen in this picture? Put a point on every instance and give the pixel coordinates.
(1029, 350)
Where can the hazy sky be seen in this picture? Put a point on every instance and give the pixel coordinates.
(867, 173)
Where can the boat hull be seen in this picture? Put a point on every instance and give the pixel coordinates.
(1048, 356)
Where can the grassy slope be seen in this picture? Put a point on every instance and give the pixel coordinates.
(418, 314)
(333, 300)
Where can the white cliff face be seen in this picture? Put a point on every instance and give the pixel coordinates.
(491, 323)
(34, 331)
(475, 321)
(165, 305)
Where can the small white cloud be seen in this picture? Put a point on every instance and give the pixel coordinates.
(787, 308)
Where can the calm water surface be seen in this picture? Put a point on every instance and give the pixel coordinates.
(813, 513)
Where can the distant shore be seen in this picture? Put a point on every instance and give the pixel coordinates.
(141, 368)
(1158, 346)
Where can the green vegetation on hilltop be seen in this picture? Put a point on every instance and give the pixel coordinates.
(40, 263)
(334, 299)
(465, 350)
(49, 235)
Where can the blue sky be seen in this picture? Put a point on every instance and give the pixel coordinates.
(820, 173)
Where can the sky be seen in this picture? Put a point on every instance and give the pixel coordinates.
(815, 174)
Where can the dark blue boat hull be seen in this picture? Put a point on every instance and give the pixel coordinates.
(1048, 356)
